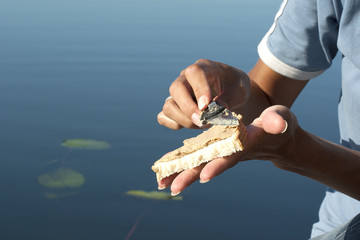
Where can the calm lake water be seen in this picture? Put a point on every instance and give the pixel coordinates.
(101, 70)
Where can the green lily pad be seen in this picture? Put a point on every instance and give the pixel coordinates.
(62, 178)
(51, 195)
(155, 195)
(85, 144)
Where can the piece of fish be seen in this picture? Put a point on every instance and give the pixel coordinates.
(217, 114)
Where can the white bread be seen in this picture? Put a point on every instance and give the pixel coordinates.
(218, 141)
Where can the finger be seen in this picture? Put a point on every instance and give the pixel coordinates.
(273, 119)
(273, 123)
(166, 182)
(216, 167)
(167, 122)
(182, 94)
(172, 111)
(185, 179)
(197, 77)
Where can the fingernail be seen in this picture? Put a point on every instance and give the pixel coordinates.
(196, 119)
(161, 188)
(175, 194)
(286, 126)
(202, 103)
(204, 181)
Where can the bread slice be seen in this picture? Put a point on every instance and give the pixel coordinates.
(217, 141)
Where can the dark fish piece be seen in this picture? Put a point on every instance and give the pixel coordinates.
(218, 115)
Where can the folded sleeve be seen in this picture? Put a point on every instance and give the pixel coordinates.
(302, 40)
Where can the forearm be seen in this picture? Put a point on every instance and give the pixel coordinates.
(279, 90)
(331, 164)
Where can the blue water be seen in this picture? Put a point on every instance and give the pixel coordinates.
(101, 70)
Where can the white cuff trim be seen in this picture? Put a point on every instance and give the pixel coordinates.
(280, 67)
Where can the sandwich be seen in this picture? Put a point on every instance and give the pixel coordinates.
(224, 138)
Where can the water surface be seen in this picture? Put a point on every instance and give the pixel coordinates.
(101, 70)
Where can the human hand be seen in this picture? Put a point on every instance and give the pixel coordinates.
(270, 137)
(197, 86)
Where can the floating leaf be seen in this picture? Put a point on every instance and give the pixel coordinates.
(51, 195)
(156, 195)
(85, 144)
(62, 178)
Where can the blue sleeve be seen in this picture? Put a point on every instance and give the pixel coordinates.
(303, 39)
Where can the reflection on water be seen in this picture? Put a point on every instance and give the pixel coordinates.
(155, 195)
(101, 70)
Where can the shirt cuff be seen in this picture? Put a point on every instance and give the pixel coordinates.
(280, 67)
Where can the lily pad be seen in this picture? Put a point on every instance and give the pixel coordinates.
(85, 144)
(62, 178)
(51, 195)
(155, 195)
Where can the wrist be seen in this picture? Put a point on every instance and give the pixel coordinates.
(291, 157)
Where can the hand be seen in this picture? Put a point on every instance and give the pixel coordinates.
(197, 86)
(270, 137)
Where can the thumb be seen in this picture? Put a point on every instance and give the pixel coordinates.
(274, 120)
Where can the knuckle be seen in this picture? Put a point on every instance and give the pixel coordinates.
(202, 61)
(173, 87)
(166, 108)
(182, 72)
(194, 68)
